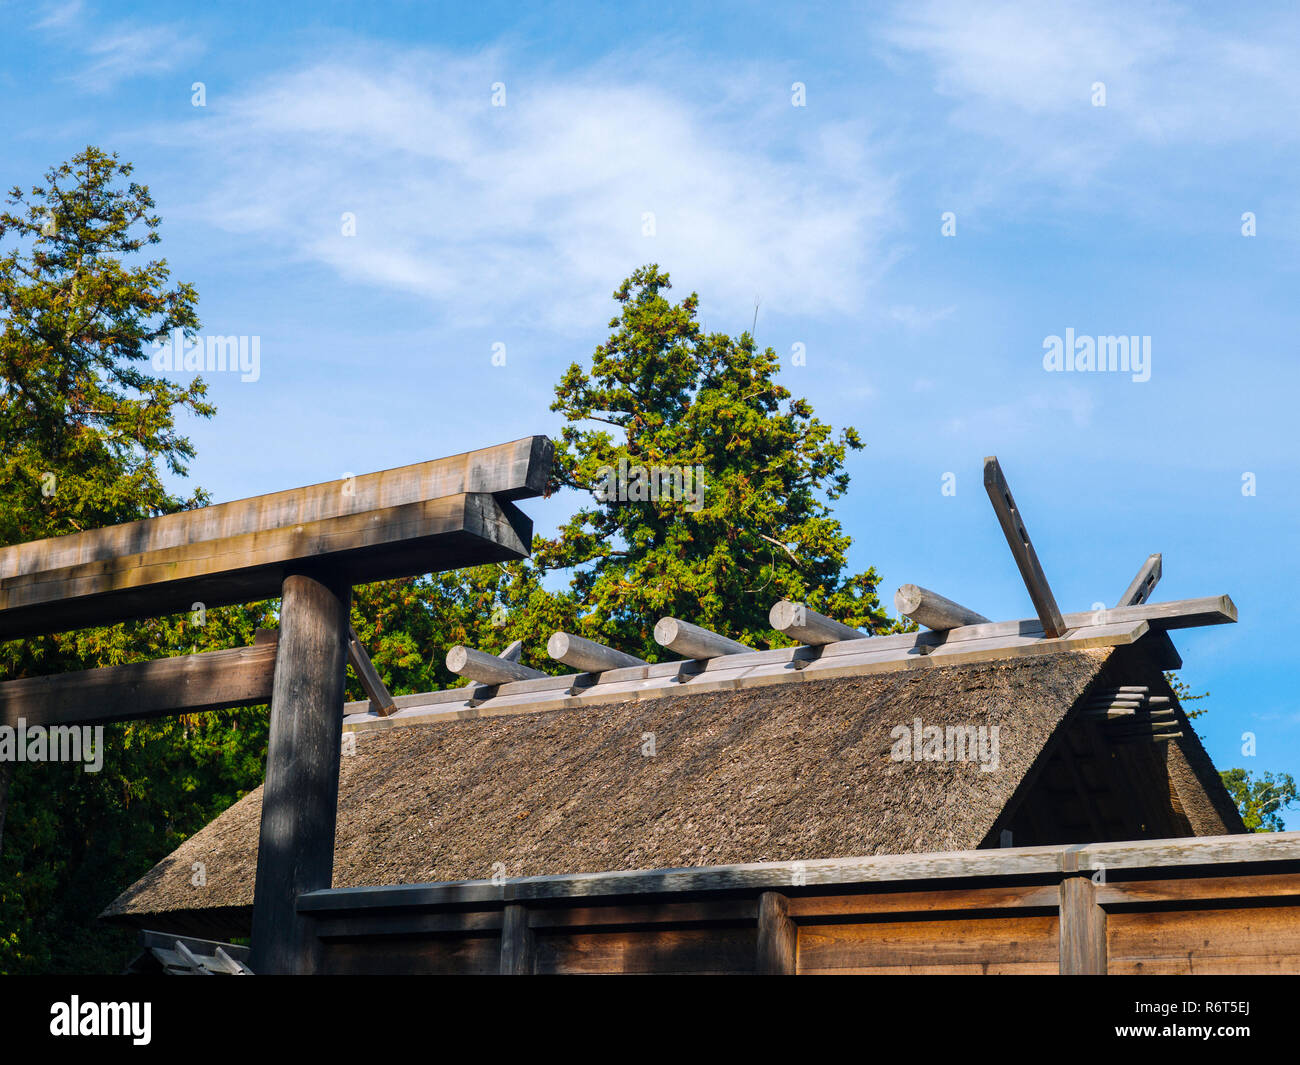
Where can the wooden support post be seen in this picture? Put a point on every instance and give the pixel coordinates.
(587, 655)
(807, 626)
(934, 611)
(778, 938)
(1013, 526)
(6, 776)
(516, 941)
(692, 641)
(1139, 591)
(486, 668)
(295, 851)
(380, 701)
(1083, 928)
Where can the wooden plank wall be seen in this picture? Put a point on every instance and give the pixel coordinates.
(1214, 918)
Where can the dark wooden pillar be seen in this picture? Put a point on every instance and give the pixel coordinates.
(295, 851)
(778, 938)
(516, 941)
(6, 776)
(1083, 928)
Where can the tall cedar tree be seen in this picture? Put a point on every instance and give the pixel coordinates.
(660, 393)
(85, 435)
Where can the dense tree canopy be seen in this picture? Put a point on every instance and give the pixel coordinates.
(85, 437)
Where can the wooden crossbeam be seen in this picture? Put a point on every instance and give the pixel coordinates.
(185, 684)
(423, 537)
(1022, 549)
(1175, 614)
(1139, 591)
(381, 702)
(513, 471)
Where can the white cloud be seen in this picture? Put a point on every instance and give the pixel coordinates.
(919, 318)
(116, 51)
(534, 212)
(1025, 414)
(1022, 75)
(59, 16)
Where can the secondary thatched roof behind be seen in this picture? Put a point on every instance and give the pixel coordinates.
(776, 773)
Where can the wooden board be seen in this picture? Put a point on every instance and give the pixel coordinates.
(940, 945)
(185, 684)
(1205, 941)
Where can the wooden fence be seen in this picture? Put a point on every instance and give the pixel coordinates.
(1228, 904)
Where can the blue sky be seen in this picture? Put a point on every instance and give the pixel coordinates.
(479, 225)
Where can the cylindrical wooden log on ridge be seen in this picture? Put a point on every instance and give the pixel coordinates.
(691, 641)
(807, 626)
(588, 655)
(486, 668)
(934, 611)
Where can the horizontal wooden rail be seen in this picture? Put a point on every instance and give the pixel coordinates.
(1246, 849)
(185, 684)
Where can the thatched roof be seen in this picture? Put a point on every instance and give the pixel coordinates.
(772, 773)
(771, 756)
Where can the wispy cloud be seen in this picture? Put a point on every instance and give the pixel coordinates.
(112, 51)
(1022, 75)
(532, 211)
(919, 318)
(1002, 421)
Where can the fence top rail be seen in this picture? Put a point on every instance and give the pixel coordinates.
(1089, 858)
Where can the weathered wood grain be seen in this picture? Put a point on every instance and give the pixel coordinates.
(517, 470)
(938, 945)
(184, 684)
(693, 641)
(1022, 549)
(588, 656)
(838, 872)
(516, 942)
(486, 668)
(778, 938)
(295, 851)
(933, 610)
(422, 537)
(1142, 585)
(381, 702)
(1204, 941)
(661, 951)
(809, 627)
(1082, 928)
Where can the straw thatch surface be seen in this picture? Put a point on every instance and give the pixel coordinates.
(782, 772)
